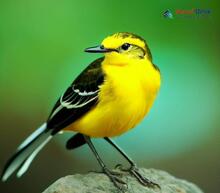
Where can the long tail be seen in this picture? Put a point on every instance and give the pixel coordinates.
(26, 152)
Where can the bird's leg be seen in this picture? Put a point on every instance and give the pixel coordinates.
(133, 170)
(117, 181)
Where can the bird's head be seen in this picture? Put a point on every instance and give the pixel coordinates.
(123, 46)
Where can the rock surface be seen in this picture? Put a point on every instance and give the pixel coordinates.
(100, 183)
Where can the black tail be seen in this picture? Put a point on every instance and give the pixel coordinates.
(26, 152)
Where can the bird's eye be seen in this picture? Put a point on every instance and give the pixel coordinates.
(125, 46)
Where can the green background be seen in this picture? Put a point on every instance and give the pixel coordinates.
(41, 52)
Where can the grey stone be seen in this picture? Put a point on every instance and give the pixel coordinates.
(100, 183)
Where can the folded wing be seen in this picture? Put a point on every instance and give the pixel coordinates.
(78, 99)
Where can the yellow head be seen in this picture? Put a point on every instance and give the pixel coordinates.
(123, 46)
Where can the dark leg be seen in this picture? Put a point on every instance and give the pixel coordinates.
(133, 167)
(118, 182)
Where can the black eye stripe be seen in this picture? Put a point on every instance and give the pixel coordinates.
(125, 47)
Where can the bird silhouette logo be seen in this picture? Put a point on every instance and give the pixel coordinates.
(168, 14)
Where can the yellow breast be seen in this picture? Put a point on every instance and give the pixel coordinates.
(124, 99)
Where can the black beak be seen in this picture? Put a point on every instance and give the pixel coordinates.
(99, 49)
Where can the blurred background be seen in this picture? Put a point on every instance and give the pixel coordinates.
(41, 52)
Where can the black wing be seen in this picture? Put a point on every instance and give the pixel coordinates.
(78, 99)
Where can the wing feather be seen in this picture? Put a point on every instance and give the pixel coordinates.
(79, 98)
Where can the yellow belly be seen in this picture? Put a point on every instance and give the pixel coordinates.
(125, 98)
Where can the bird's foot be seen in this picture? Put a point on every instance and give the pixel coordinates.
(133, 170)
(115, 177)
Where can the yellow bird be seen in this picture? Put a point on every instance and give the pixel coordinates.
(110, 97)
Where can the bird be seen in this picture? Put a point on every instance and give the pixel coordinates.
(108, 98)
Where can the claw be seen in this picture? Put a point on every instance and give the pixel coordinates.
(133, 170)
(144, 181)
(117, 181)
